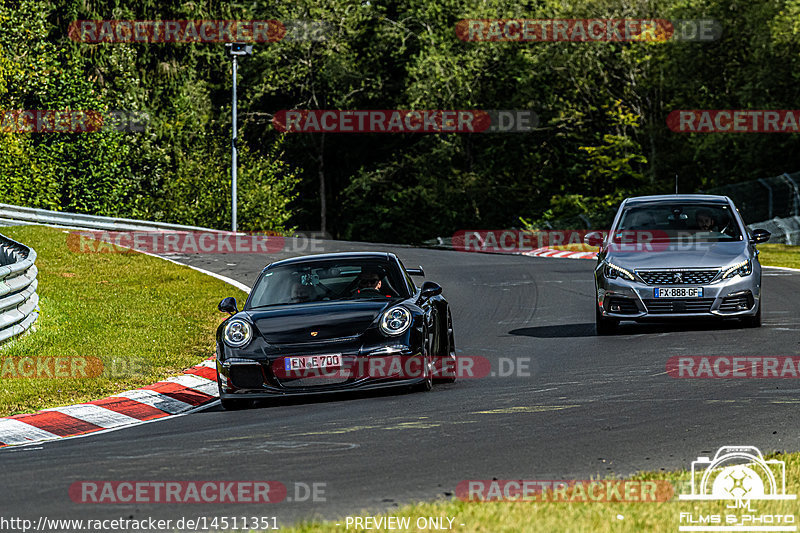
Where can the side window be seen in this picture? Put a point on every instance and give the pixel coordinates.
(258, 294)
(409, 281)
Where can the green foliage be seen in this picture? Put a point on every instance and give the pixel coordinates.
(83, 172)
(201, 193)
(177, 170)
(602, 109)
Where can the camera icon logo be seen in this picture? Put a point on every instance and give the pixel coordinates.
(738, 473)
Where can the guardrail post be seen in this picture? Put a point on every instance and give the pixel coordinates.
(795, 193)
(764, 182)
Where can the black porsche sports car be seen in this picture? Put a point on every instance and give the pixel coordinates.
(334, 322)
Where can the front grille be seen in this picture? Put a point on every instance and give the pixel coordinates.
(733, 304)
(668, 277)
(626, 306)
(678, 305)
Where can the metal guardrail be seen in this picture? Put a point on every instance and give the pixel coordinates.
(765, 199)
(19, 303)
(774, 201)
(784, 230)
(15, 213)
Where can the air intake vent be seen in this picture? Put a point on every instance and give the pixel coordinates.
(678, 305)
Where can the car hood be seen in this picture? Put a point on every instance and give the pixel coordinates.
(681, 255)
(288, 324)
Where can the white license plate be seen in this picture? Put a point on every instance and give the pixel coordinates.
(313, 361)
(679, 292)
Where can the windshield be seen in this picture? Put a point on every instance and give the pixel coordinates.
(327, 281)
(695, 221)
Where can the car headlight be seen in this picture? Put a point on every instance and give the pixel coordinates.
(611, 271)
(395, 321)
(745, 268)
(237, 333)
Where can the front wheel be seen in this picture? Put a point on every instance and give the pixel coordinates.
(449, 359)
(232, 404)
(755, 320)
(427, 366)
(604, 326)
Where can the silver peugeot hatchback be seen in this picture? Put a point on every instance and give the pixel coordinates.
(677, 257)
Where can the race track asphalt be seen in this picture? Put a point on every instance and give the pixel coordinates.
(577, 406)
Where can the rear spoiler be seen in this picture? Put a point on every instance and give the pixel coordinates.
(416, 271)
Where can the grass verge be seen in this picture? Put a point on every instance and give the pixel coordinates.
(498, 517)
(780, 255)
(142, 317)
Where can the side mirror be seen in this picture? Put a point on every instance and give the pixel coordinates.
(228, 305)
(430, 289)
(416, 271)
(593, 238)
(760, 235)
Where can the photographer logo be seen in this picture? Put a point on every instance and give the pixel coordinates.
(741, 476)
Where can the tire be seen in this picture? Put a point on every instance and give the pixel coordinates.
(604, 326)
(755, 320)
(427, 383)
(451, 351)
(232, 404)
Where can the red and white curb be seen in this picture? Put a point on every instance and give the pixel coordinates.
(561, 254)
(197, 386)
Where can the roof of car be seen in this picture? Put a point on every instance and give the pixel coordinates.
(708, 198)
(332, 256)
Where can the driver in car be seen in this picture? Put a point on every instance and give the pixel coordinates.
(369, 285)
(302, 293)
(705, 220)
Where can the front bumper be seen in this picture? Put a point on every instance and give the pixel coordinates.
(268, 378)
(622, 299)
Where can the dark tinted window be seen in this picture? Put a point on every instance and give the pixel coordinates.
(326, 281)
(712, 222)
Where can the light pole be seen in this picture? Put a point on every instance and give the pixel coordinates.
(236, 50)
